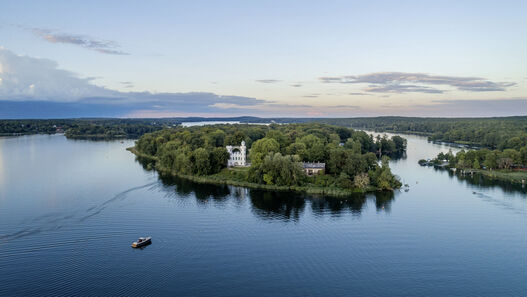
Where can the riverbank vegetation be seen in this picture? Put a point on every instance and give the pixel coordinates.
(492, 133)
(276, 154)
(508, 165)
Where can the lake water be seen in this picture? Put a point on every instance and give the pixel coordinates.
(69, 211)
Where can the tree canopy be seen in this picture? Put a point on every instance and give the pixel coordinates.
(276, 152)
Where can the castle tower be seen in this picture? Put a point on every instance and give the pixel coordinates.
(237, 155)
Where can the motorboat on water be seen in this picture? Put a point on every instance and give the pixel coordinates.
(142, 241)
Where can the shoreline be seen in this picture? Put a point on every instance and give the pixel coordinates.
(511, 176)
(216, 179)
(504, 175)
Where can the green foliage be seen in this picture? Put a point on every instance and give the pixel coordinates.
(83, 128)
(493, 133)
(361, 180)
(382, 178)
(276, 169)
(475, 165)
(344, 181)
(262, 148)
(276, 153)
(473, 159)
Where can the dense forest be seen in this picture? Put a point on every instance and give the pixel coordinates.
(493, 133)
(276, 152)
(85, 128)
(100, 128)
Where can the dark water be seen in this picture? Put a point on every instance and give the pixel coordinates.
(70, 209)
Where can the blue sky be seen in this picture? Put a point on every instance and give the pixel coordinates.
(265, 58)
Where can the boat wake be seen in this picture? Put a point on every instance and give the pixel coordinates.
(55, 221)
(500, 203)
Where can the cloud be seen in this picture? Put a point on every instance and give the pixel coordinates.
(402, 89)
(34, 81)
(475, 108)
(102, 46)
(455, 108)
(127, 84)
(401, 82)
(27, 78)
(268, 81)
(37, 88)
(359, 94)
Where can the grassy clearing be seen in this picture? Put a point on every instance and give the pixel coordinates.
(506, 175)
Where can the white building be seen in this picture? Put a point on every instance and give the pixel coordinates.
(238, 155)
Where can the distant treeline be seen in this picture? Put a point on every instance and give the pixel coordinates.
(100, 128)
(85, 128)
(493, 133)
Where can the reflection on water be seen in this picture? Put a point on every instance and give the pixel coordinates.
(272, 205)
(486, 182)
(420, 148)
(2, 169)
(67, 224)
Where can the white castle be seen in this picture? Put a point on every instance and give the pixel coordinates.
(237, 155)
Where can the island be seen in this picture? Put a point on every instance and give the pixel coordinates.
(310, 157)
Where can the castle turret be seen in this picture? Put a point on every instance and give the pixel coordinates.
(237, 155)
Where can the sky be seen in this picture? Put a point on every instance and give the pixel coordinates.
(62, 59)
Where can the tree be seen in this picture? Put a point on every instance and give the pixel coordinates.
(279, 137)
(218, 159)
(296, 148)
(353, 145)
(344, 181)
(315, 150)
(490, 160)
(523, 155)
(355, 164)
(476, 164)
(276, 169)
(216, 138)
(336, 161)
(504, 163)
(200, 159)
(361, 180)
(512, 154)
(182, 163)
(382, 176)
(262, 148)
(400, 143)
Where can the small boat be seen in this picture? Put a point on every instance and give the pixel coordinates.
(142, 241)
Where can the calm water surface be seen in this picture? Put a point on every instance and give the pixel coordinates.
(70, 209)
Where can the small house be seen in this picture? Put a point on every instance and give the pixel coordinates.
(313, 168)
